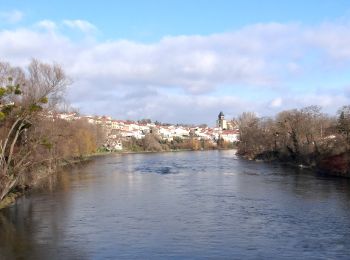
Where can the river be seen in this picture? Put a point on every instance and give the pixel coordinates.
(185, 205)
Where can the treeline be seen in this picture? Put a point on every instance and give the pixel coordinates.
(304, 136)
(154, 143)
(32, 139)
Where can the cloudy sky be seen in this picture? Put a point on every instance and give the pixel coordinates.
(185, 61)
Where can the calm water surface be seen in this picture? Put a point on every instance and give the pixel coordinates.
(186, 205)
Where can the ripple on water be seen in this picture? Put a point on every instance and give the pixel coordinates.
(163, 170)
(217, 206)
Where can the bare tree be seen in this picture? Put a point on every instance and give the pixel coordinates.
(299, 135)
(23, 97)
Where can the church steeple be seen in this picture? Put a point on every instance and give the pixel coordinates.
(221, 122)
(221, 115)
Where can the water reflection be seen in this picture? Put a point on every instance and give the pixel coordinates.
(25, 236)
(183, 205)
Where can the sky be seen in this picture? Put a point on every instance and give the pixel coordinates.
(182, 61)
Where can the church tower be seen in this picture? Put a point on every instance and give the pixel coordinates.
(221, 122)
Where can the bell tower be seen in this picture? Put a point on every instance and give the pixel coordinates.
(221, 122)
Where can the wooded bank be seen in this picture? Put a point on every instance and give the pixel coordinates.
(301, 137)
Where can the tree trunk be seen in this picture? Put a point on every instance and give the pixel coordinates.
(7, 184)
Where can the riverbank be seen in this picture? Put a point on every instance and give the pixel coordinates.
(10, 199)
(41, 174)
(334, 165)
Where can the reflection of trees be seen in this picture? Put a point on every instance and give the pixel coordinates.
(16, 232)
(34, 227)
(308, 185)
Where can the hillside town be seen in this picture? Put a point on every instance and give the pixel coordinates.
(116, 131)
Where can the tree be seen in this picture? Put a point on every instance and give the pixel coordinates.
(295, 135)
(343, 124)
(249, 133)
(25, 97)
(145, 121)
(151, 143)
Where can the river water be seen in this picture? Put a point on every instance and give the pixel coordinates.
(185, 205)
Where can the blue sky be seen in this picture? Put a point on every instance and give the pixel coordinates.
(150, 20)
(184, 61)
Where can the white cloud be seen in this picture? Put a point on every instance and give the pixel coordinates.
(19, 46)
(181, 78)
(12, 17)
(330, 102)
(277, 102)
(332, 38)
(47, 25)
(81, 25)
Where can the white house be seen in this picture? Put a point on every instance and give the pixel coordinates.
(230, 135)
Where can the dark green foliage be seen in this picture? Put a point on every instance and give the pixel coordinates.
(343, 123)
(3, 91)
(2, 116)
(44, 100)
(46, 143)
(17, 91)
(7, 109)
(35, 108)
